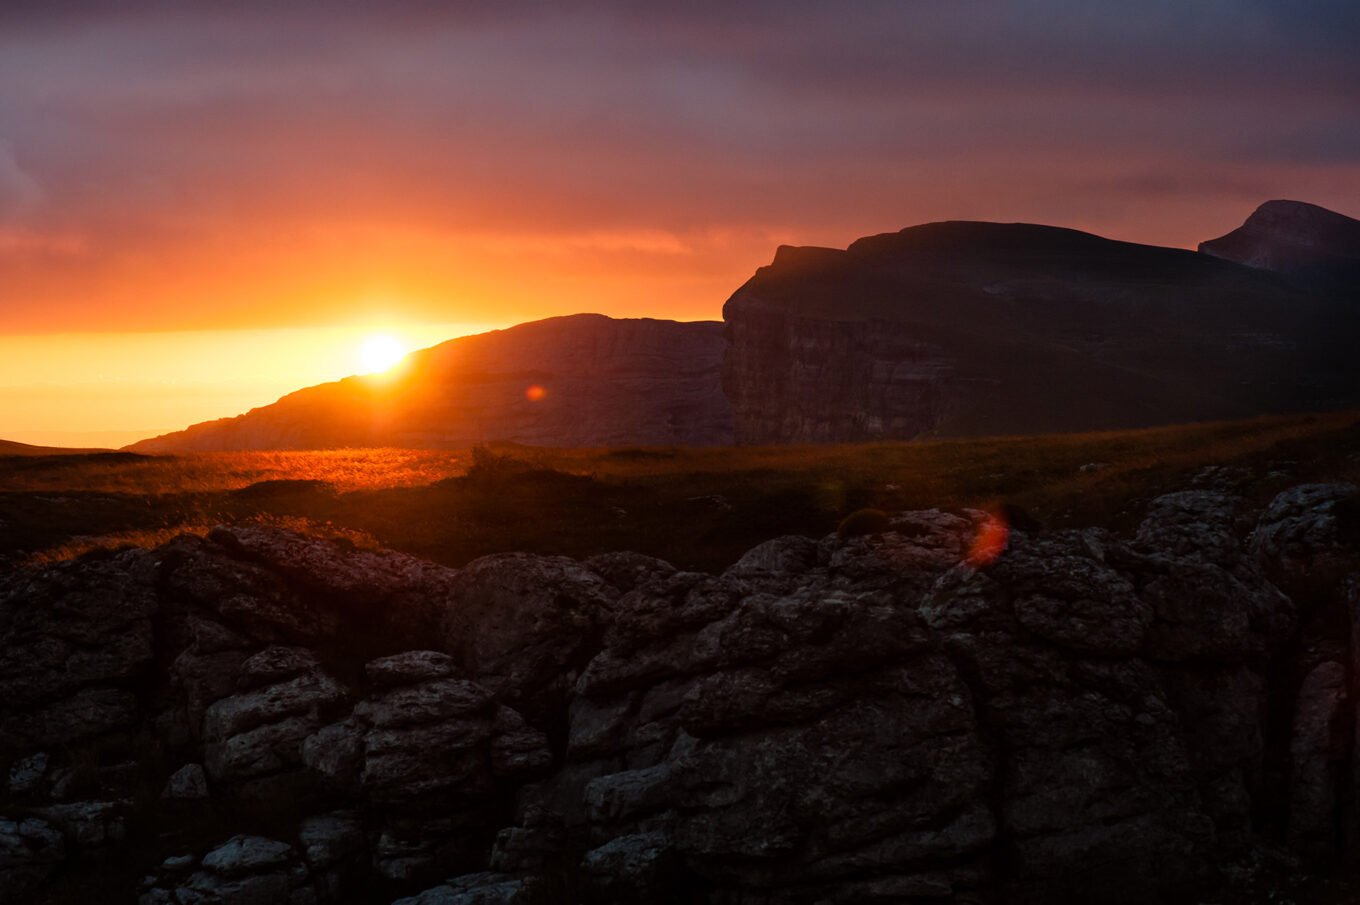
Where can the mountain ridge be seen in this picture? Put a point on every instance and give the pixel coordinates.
(963, 328)
(537, 391)
(953, 328)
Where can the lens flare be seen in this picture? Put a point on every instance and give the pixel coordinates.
(990, 541)
(535, 393)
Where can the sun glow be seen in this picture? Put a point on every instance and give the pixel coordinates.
(380, 353)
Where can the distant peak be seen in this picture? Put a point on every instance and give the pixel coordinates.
(1292, 237)
(1300, 212)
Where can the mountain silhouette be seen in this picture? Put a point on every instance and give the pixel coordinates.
(580, 380)
(946, 329)
(964, 328)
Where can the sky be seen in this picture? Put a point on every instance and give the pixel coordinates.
(205, 205)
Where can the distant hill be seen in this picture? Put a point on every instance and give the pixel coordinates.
(964, 328)
(10, 448)
(583, 380)
(1291, 237)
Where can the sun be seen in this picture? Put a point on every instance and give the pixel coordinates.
(380, 353)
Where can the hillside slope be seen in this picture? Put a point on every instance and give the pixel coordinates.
(11, 448)
(583, 380)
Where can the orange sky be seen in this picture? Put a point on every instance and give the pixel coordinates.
(204, 206)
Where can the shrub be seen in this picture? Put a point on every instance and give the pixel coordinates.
(862, 522)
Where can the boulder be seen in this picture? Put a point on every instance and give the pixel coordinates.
(243, 870)
(30, 849)
(188, 783)
(258, 733)
(474, 889)
(409, 668)
(526, 625)
(27, 773)
(1318, 750)
(75, 636)
(1308, 540)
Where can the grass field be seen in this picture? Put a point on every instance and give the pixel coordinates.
(699, 508)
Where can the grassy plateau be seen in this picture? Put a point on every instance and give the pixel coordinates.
(699, 508)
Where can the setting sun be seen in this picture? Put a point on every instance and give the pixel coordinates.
(380, 353)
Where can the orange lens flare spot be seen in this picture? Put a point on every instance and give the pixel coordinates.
(990, 540)
(535, 393)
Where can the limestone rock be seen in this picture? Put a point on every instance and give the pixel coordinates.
(26, 774)
(473, 889)
(1193, 524)
(274, 665)
(626, 571)
(1318, 748)
(1308, 539)
(30, 849)
(258, 733)
(246, 599)
(1098, 772)
(73, 636)
(840, 720)
(188, 783)
(87, 824)
(409, 668)
(328, 839)
(244, 870)
(523, 624)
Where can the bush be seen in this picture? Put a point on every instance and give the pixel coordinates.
(862, 522)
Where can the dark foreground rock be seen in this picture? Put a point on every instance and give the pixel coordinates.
(264, 718)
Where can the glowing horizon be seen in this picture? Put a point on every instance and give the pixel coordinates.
(186, 170)
(77, 389)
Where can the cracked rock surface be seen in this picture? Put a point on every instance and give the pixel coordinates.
(261, 717)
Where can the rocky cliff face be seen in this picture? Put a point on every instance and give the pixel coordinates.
(807, 379)
(1295, 238)
(585, 380)
(259, 717)
(986, 328)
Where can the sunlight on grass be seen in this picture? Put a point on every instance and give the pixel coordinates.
(697, 508)
(929, 470)
(79, 546)
(343, 469)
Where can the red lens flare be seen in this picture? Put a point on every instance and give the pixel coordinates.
(990, 540)
(535, 393)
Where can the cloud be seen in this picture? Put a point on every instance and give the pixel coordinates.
(200, 145)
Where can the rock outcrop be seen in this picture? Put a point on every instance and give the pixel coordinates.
(259, 717)
(583, 380)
